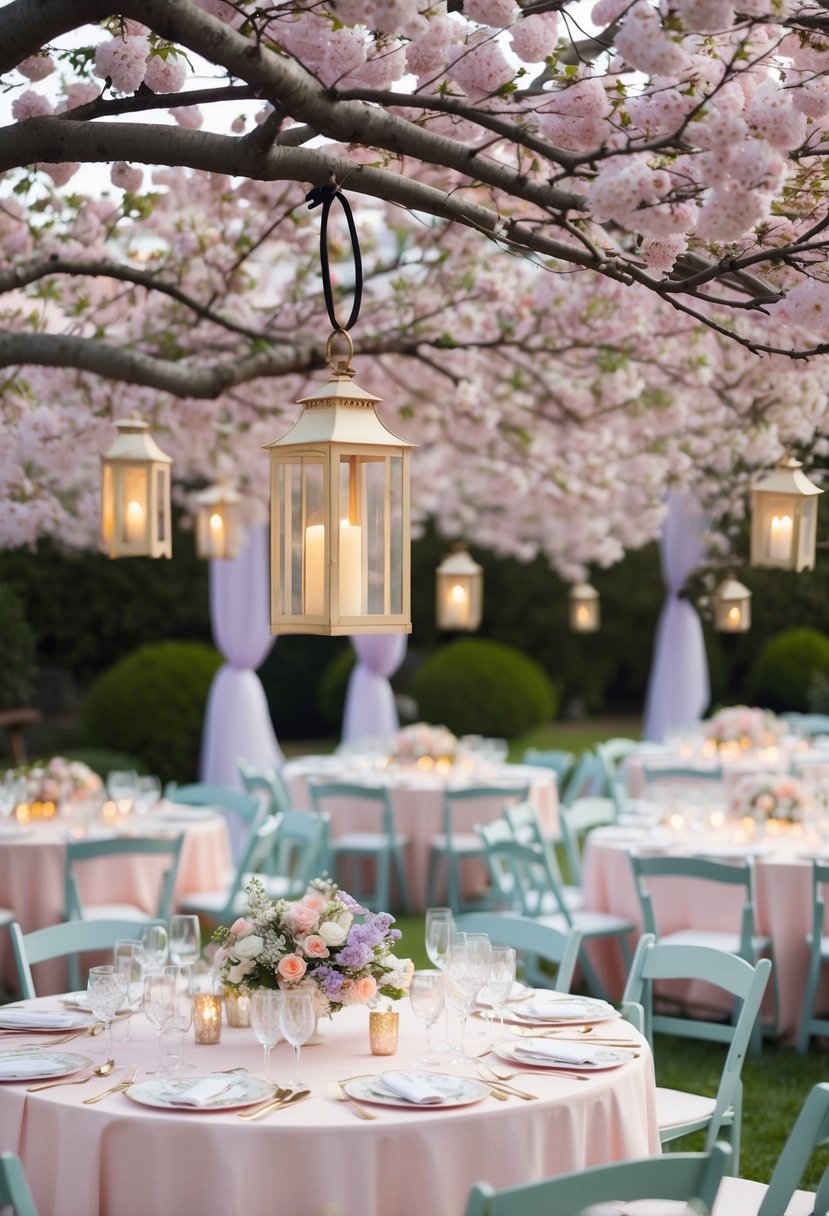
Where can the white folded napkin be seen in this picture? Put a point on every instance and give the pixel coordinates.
(560, 1052)
(550, 1009)
(203, 1091)
(412, 1087)
(28, 1066)
(34, 1019)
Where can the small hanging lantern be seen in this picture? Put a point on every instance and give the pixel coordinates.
(218, 534)
(732, 607)
(135, 494)
(459, 591)
(585, 613)
(340, 533)
(784, 518)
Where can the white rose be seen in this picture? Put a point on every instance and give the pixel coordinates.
(401, 974)
(235, 975)
(248, 947)
(332, 933)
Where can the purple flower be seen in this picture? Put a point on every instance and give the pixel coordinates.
(349, 902)
(354, 955)
(330, 981)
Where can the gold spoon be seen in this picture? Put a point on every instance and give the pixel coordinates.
(102, 1070)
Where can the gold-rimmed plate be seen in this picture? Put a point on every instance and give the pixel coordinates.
(165, 1093)
(456, 1091)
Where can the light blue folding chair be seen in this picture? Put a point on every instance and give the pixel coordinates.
(351, 853)
(14, 1187)
(690, 1177)
(535, 943)
(449, 849)
(560, 762)
(242, 811)
(271, 783)
(812, 1022)
(67, 940)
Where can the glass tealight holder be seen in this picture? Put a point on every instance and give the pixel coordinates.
(237, 1007)
(382, 1031)
(207, 1017)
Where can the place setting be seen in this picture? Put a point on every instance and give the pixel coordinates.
(414, 1089)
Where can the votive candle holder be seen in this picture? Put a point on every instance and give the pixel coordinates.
(383, 1026)
(237, 1007)
(207, 1017)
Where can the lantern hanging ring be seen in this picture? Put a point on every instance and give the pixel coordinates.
(324, 196)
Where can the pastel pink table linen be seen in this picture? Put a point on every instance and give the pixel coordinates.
(783, 911)
(32, 880)
(417, 802)
(116, 1158)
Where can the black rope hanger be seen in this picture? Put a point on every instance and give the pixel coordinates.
(324, 196)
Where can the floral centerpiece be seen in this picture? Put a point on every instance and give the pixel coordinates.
(774, 796)
(422, 740)
(746, 725)
(324, 942)
(58, 779)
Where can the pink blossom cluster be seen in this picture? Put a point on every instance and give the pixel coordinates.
(124, 61)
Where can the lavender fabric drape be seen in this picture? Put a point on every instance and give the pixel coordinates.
(237, 723)
(369, 702)
(678, 686)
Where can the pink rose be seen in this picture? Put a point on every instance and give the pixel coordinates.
(302, 919)
(313, 899)
(241, 928)
(315, 947)
(292, 967)
(364, 989)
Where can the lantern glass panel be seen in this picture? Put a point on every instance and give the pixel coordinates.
(396, 533)
(161, 504)
(375, 503)
(134, 502)
(308, 515)
(107, 505)
(808, 524)
(778, 529)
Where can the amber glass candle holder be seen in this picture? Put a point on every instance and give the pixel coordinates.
(237, 1007)
(207, 1017)
(382, 1031)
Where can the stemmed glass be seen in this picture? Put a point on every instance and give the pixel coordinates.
(265, 1020)
(154, 947)
(159, 1004)
(106, 989)
(426, 993)
(467, 971)
(296, 1021)
(185, 940)
(12, 792)
(128, 958)
(181, 1017)
(500, 980)
(146, 794)
(440, 925)
(121, 787)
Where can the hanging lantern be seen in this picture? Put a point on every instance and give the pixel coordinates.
(585, 614)
(459, 591)
(340, 535)
(784, 518)
(135, 494)
(218, 534)
(732, 607)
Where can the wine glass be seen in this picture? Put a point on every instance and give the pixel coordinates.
(426, 994)
(154, 947)
(121, 786)
(159, 1004)
(181, 1016)
(296, 1021)
(128, 959)
(500, 980)
(265, 1020)
(105, 990)
(439, 927)
(146, 794)
(185, 940)
(467, 971)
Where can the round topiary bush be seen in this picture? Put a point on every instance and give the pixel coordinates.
(478, 687)
(151, 704)
(17, 668)
(787, 668)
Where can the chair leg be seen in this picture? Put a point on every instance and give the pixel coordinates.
(453, 883)
(591, 978)
(380, 895)
(809, 997)
(399, 868)
(432, 880)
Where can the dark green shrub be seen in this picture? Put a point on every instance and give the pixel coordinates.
(17, 665)
(151, 704)
(787, 668)
(333, 686)
(478, 687)
(291, 675)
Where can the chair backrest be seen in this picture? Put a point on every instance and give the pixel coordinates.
(61, 941)
(812, 724)
(588, 779)
(654, 774)
(499, 797)
(701, 869)
(527, 868)
(79, 851)
(529, 937)
(297, 851)
(14, 1189)
(655, 961)
(525, 824)
(577, 820)
(692, 1177)
(325, 795)
(271, 783)
(243, 812)
(561, 762)
(811, 1128)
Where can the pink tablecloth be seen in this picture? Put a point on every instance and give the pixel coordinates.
(417, 802)
(32, 880)
(783, 911)
(117, 1158)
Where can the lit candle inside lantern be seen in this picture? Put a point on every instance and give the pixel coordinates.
(314, 569)
(351, 569)
(780, 537)
(582, 615)
(134, 521)
(216, 535)
(734, 615)
(457, 609)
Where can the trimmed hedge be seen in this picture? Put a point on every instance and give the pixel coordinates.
(151, 704)
(788, 668)
(474, 686)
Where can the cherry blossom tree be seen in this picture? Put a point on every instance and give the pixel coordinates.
(595, 255)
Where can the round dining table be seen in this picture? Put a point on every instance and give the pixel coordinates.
(417, 804)
(32, 863)
(317, 1157)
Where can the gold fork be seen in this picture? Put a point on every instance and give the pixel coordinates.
(491, 1078)
(122, 1085)
(337, 1092)
(549, 1072)
(282, 1097)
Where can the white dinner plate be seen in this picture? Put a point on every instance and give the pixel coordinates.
(562, 1009)
(32, 1063)
(600, 1058)
(457, 1091)
(163, 1092)
(15, 1018)
(183, 814)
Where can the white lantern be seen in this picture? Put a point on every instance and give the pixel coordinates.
(459, 594)
(732, 607)
(340, 531)
(135, 495)
(784, 518)
(218, 534)
(585, 614)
